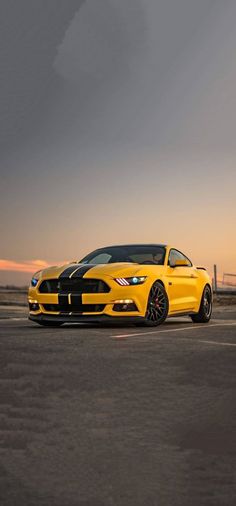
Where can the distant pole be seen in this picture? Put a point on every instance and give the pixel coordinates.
(215, 277)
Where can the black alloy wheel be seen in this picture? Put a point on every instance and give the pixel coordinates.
(157, 306)
(204, 313)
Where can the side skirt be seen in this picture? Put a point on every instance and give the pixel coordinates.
(188, 313)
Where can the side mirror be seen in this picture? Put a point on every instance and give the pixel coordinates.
(180, 263)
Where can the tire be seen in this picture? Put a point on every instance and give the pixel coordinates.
(49, 324)
(157, 306)
(205, 310)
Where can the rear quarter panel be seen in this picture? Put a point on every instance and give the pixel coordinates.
(203, 280)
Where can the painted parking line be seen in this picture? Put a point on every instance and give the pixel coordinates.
(215, 343)
(182, 329)
(19, 319)
(8, 319)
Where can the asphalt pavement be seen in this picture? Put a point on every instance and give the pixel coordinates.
(118, 416)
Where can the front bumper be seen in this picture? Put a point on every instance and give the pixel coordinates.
(48, 309)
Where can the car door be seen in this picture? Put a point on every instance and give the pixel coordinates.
(182, 283)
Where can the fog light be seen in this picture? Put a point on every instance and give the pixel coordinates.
(33, 305)
(124, 301)
(124, 305)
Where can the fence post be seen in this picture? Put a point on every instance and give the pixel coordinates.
(215, 278)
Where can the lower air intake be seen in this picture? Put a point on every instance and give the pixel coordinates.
(70, 308)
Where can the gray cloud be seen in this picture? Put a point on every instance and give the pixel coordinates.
(30, 32)
(103, 70)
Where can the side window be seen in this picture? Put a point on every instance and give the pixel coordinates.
(102, 258)
(177, 255)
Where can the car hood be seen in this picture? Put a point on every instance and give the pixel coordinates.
(122, 269)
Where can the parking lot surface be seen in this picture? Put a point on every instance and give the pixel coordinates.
(118, 416)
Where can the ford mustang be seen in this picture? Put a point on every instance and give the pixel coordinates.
(140, 283)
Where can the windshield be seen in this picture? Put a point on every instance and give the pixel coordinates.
(137, 254)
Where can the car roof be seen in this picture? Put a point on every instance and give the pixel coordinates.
(135, 245)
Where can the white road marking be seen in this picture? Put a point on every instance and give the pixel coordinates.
(193, 327)
(18, 319)
(216, 343)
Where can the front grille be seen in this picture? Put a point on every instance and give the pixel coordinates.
(72, 308)
(76, 285)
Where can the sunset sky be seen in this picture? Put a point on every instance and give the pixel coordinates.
(118, 125)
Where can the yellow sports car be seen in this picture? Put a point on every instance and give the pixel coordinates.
(140, 283)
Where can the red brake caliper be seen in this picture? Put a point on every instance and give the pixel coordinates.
(157, 302)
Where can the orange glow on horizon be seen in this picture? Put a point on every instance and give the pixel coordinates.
(29, 266)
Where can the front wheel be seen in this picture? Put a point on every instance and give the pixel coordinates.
(157, 306)
(205, 310)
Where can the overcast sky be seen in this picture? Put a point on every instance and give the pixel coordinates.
(118, 121)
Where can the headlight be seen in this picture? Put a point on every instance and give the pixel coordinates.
(35, 279)
(34, 282)
(136, 280)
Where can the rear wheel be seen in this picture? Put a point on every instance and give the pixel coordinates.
(157, 306)
(204, 313)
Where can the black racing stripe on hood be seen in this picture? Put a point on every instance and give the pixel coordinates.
(82, 270)
(67, 272)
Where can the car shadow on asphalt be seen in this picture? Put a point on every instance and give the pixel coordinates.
(168, 322)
